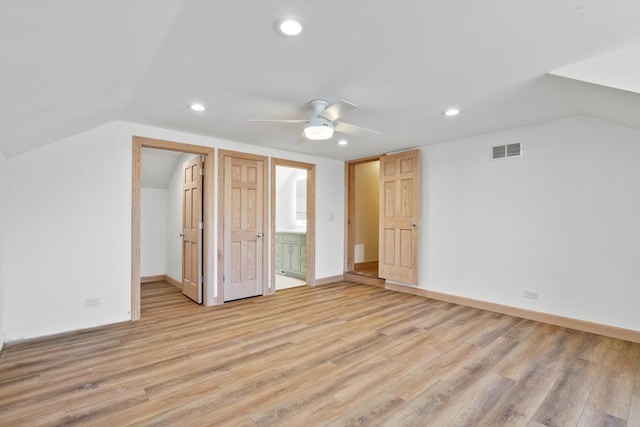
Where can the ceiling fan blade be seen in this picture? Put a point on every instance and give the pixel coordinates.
(279, 120)
(337, 110)
(353, 129)
(301, 138)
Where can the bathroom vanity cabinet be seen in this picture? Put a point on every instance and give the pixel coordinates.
(291, 254)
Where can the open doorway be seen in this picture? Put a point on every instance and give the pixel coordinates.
(206, 156)
(398, 218)
(171, 215)
(293, 206)
(363, 217)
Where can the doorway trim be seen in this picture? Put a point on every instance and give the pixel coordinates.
(138, 142)
(222, 154)
(311, 218)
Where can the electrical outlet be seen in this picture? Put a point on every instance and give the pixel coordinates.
(531, 294)
(88, 302)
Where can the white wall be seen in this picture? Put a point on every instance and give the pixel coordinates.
(174, 221)
(2, 208)
(564, 220)
(68, 227)
(153, 231)
(68, 234)
(286, 198)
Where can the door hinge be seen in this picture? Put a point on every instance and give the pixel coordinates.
(201, 171)
(200, 280)
(201, 225)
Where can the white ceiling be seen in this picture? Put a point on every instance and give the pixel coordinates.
(620, 70)
(67, 66)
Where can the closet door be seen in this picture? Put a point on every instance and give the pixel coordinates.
(244, 225)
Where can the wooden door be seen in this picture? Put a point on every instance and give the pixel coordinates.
(399, 217)
(192, 227)
(243, 227)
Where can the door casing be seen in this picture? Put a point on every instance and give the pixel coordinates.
(138, 142)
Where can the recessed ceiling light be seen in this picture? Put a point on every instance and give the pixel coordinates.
(289, 27)
(197, 107)
(451, 112)
(343, 142)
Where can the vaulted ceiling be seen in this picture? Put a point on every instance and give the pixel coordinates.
(67, 66)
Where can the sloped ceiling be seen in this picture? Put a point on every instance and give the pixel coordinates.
(620, 70)
(68, 66)
(158, 167)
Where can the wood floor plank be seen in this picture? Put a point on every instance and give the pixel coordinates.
(374, 405)
(470, 404)
(519, 404)
(421, 408)
(425, 372)
(564, 404)
(339, 354)
(613, 389)
(634, 410)
(308, 399)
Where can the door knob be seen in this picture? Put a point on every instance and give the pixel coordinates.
(414, 224)
(259, 234)
(181, 234)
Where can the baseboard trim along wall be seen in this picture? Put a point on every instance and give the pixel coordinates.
(566, 322)
(327, 280)
(174, 282)
(151, 279)
(161, 278)
(365, 280)
(365, 265)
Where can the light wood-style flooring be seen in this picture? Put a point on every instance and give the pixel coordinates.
(336, 355)
(369, 269)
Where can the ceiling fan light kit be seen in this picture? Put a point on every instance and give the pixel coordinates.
(318, 132)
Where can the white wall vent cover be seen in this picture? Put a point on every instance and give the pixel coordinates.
(506, 151)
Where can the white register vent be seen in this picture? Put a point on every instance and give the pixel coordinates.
(506, 151)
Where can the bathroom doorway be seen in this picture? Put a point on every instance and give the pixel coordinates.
(293, 204)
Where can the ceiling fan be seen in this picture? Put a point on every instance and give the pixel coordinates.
(324, 121)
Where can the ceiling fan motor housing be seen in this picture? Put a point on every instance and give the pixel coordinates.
(319, 121)
(318, 105)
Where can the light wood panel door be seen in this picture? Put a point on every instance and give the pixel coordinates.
(192, 228)
(399, 217)
(243, 227)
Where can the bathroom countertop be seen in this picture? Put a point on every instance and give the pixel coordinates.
(292, 231)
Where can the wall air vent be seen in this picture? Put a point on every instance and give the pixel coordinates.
(506, 151)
